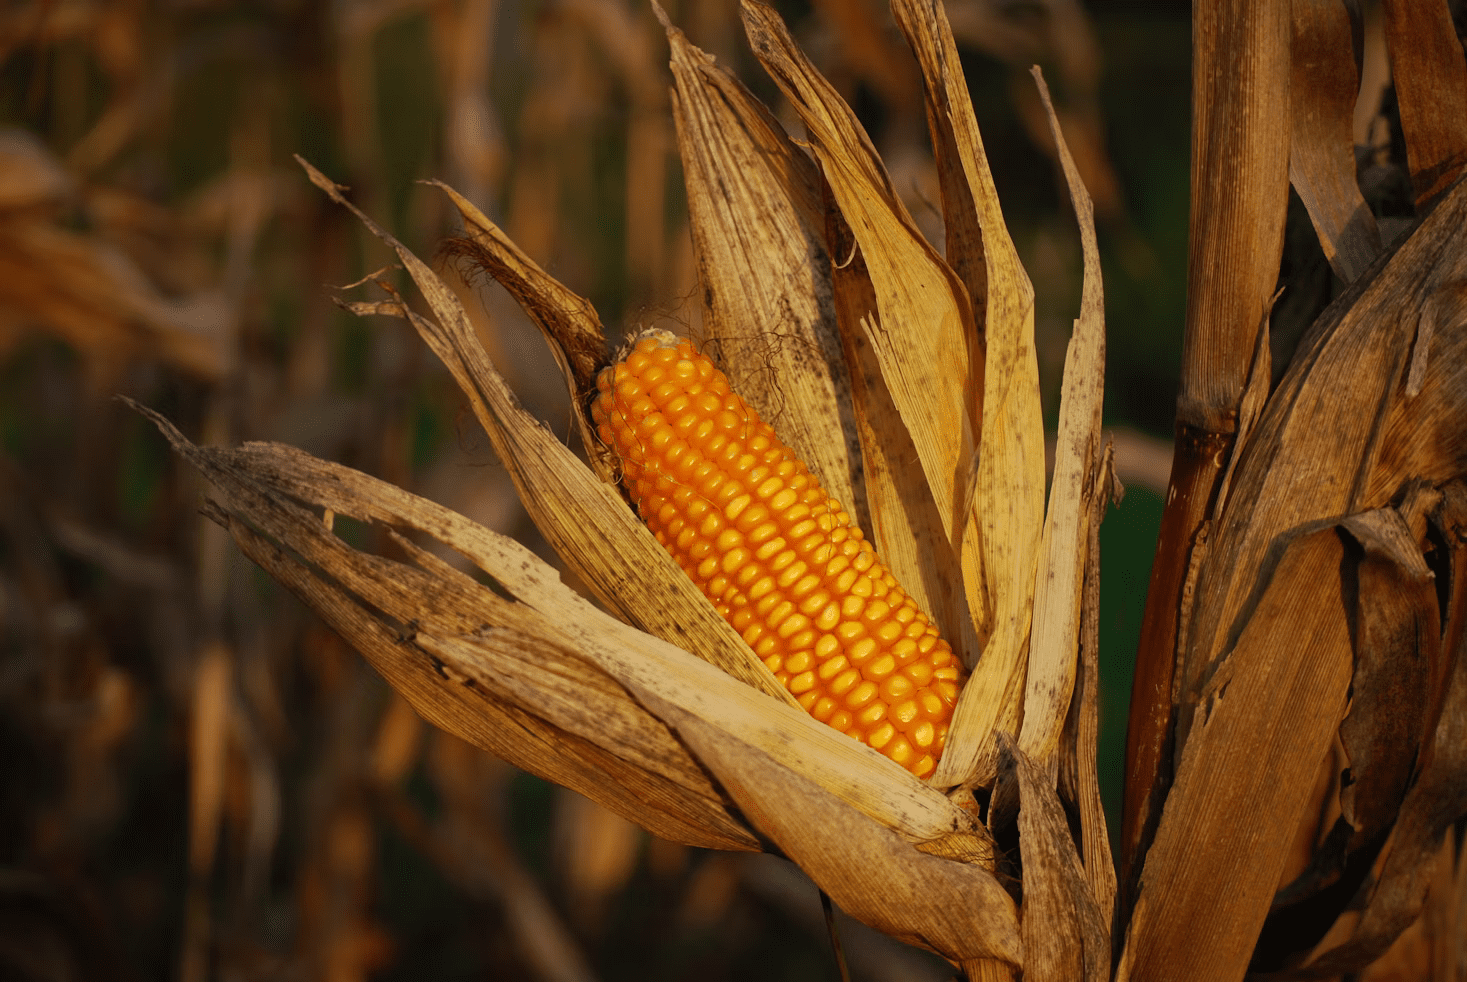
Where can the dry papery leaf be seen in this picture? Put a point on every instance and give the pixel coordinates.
(1412, 751)
(1326, 613)
(1069, 895)
(561, 689)
(1324, 83)
(832, 312)
(1003, 488)
(755, 200)
(1308, 545)
(1430, 75)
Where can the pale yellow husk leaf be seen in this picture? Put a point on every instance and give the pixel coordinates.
(1060, 577)
(758, 233)
(1005, 482)
(923, 333)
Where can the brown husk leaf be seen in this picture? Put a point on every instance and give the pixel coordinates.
(1263, 723)
(952, 908)
(1058, 588)
(1324, 83)
(756, 216)
(491, 671)
(1066, 933)
(1434, 752)
(1430, 75)
(1313, 579)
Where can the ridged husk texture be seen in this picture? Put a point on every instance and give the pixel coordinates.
(868, 350)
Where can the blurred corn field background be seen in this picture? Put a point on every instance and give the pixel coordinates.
(199, 780)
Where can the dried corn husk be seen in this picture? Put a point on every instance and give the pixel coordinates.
(754, 199)
(820, 292)
(1003, 489)
(1324, 82)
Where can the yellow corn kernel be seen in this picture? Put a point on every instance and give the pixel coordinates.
(779, 558)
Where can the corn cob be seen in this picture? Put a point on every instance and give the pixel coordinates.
(780, 559)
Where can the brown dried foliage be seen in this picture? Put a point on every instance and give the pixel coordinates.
(1298, 676)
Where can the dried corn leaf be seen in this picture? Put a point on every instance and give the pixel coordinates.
(1059, 583)
(490, 671)
(1079, 780)
(1263, 724)
(1319, 451)
(1422, 436)
(1066, 932)
(568, 321)
(674, 687)
(924, 337)
(1399, 675)
(549, 682)
(758, 231)
(1433, 946)
(1430, 76)
(958, 910)
(1005, 483)
(1324, 84)
(1392, 896)
(585, 520)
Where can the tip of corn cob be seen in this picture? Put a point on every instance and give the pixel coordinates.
(778, 557)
